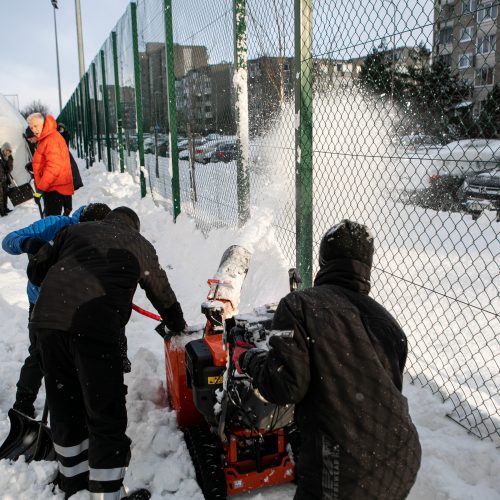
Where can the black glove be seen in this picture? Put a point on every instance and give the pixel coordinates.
(29, 168)
(167, 334)
(173, 318)
(32, 245)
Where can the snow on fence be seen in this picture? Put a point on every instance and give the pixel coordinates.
(375, 113)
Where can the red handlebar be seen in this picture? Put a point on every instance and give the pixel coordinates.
(148, 314)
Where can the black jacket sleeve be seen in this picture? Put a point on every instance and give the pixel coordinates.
(282, 374)
(155, 283)
(45, 258)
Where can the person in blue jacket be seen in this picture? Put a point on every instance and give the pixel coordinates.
(29, 240)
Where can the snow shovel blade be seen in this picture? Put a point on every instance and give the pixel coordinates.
(27, 437)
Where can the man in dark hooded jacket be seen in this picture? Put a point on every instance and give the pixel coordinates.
(88, 278)
(339, 356)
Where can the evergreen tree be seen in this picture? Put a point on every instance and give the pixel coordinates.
(376, 73)
(488, 123)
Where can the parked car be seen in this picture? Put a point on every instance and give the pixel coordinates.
(203, 153)
(481, 192)
(451, 165)
(416, 141)
(225, 152)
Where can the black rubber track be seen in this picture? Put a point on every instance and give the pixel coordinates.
(207, 456)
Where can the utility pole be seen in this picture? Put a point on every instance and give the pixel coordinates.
(81, 59)
(54, 4)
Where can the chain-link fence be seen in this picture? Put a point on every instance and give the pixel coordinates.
(385, 112)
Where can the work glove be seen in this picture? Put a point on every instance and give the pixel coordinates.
(32, 245)
(240, 349)
(167, 334)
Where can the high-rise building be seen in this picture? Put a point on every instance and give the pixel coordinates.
(465, 38)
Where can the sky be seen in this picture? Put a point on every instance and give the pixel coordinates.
(27, 50)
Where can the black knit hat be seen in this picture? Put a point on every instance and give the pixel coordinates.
(347, 240)
(94, 211)
(130, 214)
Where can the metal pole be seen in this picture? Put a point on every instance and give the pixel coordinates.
(81, 60)
(96, 110)
(241, 90)
(138, 96)
(393, 50)
(303, 140)
(172, 114)
(118, 105)
(57, 58)
(106, 111)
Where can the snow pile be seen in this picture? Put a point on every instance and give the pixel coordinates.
(455, 465)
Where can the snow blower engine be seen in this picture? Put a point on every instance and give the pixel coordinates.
(237, 440)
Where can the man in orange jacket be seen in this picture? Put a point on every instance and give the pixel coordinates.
(51, 163)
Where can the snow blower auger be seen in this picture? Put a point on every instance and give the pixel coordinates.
(238, 441)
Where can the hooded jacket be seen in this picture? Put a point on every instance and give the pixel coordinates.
(51, 163)
(89, 276)
(339, 356)
(44, 229)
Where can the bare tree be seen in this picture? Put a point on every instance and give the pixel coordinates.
(35, 106)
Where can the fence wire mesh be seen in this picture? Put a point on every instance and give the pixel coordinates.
(386, 112)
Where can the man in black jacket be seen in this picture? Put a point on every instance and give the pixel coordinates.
(339, 356)
(88, 278)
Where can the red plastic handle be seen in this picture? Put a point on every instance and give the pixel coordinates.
(148, 314)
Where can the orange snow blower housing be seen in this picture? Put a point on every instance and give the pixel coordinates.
(237, 440)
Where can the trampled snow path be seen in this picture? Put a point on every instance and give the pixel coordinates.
(455, 466)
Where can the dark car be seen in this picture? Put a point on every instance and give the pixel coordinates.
(481, 191)
(224, 152)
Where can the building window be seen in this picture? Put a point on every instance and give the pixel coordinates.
(486, 44)
(487, 11)
(467, 34)
(446, 35)
(484, 76)
(465, 61)
(468, 6)
(445, 59)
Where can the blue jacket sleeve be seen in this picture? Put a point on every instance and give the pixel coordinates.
(43, 229)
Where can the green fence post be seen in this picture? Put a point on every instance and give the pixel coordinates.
(88, 115)
(84, 122)
(106, 111)
(96, 110)
(138, 96)
(73, 122)
(118, 105)
(172, 111)
(241, 91)
(303, 140)
(78, 122)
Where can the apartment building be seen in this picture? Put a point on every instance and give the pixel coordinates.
(465, 38)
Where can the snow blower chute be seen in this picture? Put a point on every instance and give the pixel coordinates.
(238, 441)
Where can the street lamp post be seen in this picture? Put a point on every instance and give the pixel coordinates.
(54, 4)
(81, 60)
(393, 69)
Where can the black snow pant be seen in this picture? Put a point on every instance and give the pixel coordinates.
(53, 203)
(30, 377)
(88, 417)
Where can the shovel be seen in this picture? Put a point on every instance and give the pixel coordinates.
(28, 437)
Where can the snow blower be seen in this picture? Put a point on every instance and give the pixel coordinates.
(237, 440)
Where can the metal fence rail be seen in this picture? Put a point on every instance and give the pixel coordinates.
(386, 112)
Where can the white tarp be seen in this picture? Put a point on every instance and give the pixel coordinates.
(12, 127)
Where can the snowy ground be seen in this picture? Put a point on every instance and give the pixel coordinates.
(455, 466)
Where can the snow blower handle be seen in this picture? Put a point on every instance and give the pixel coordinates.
(161, 329)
